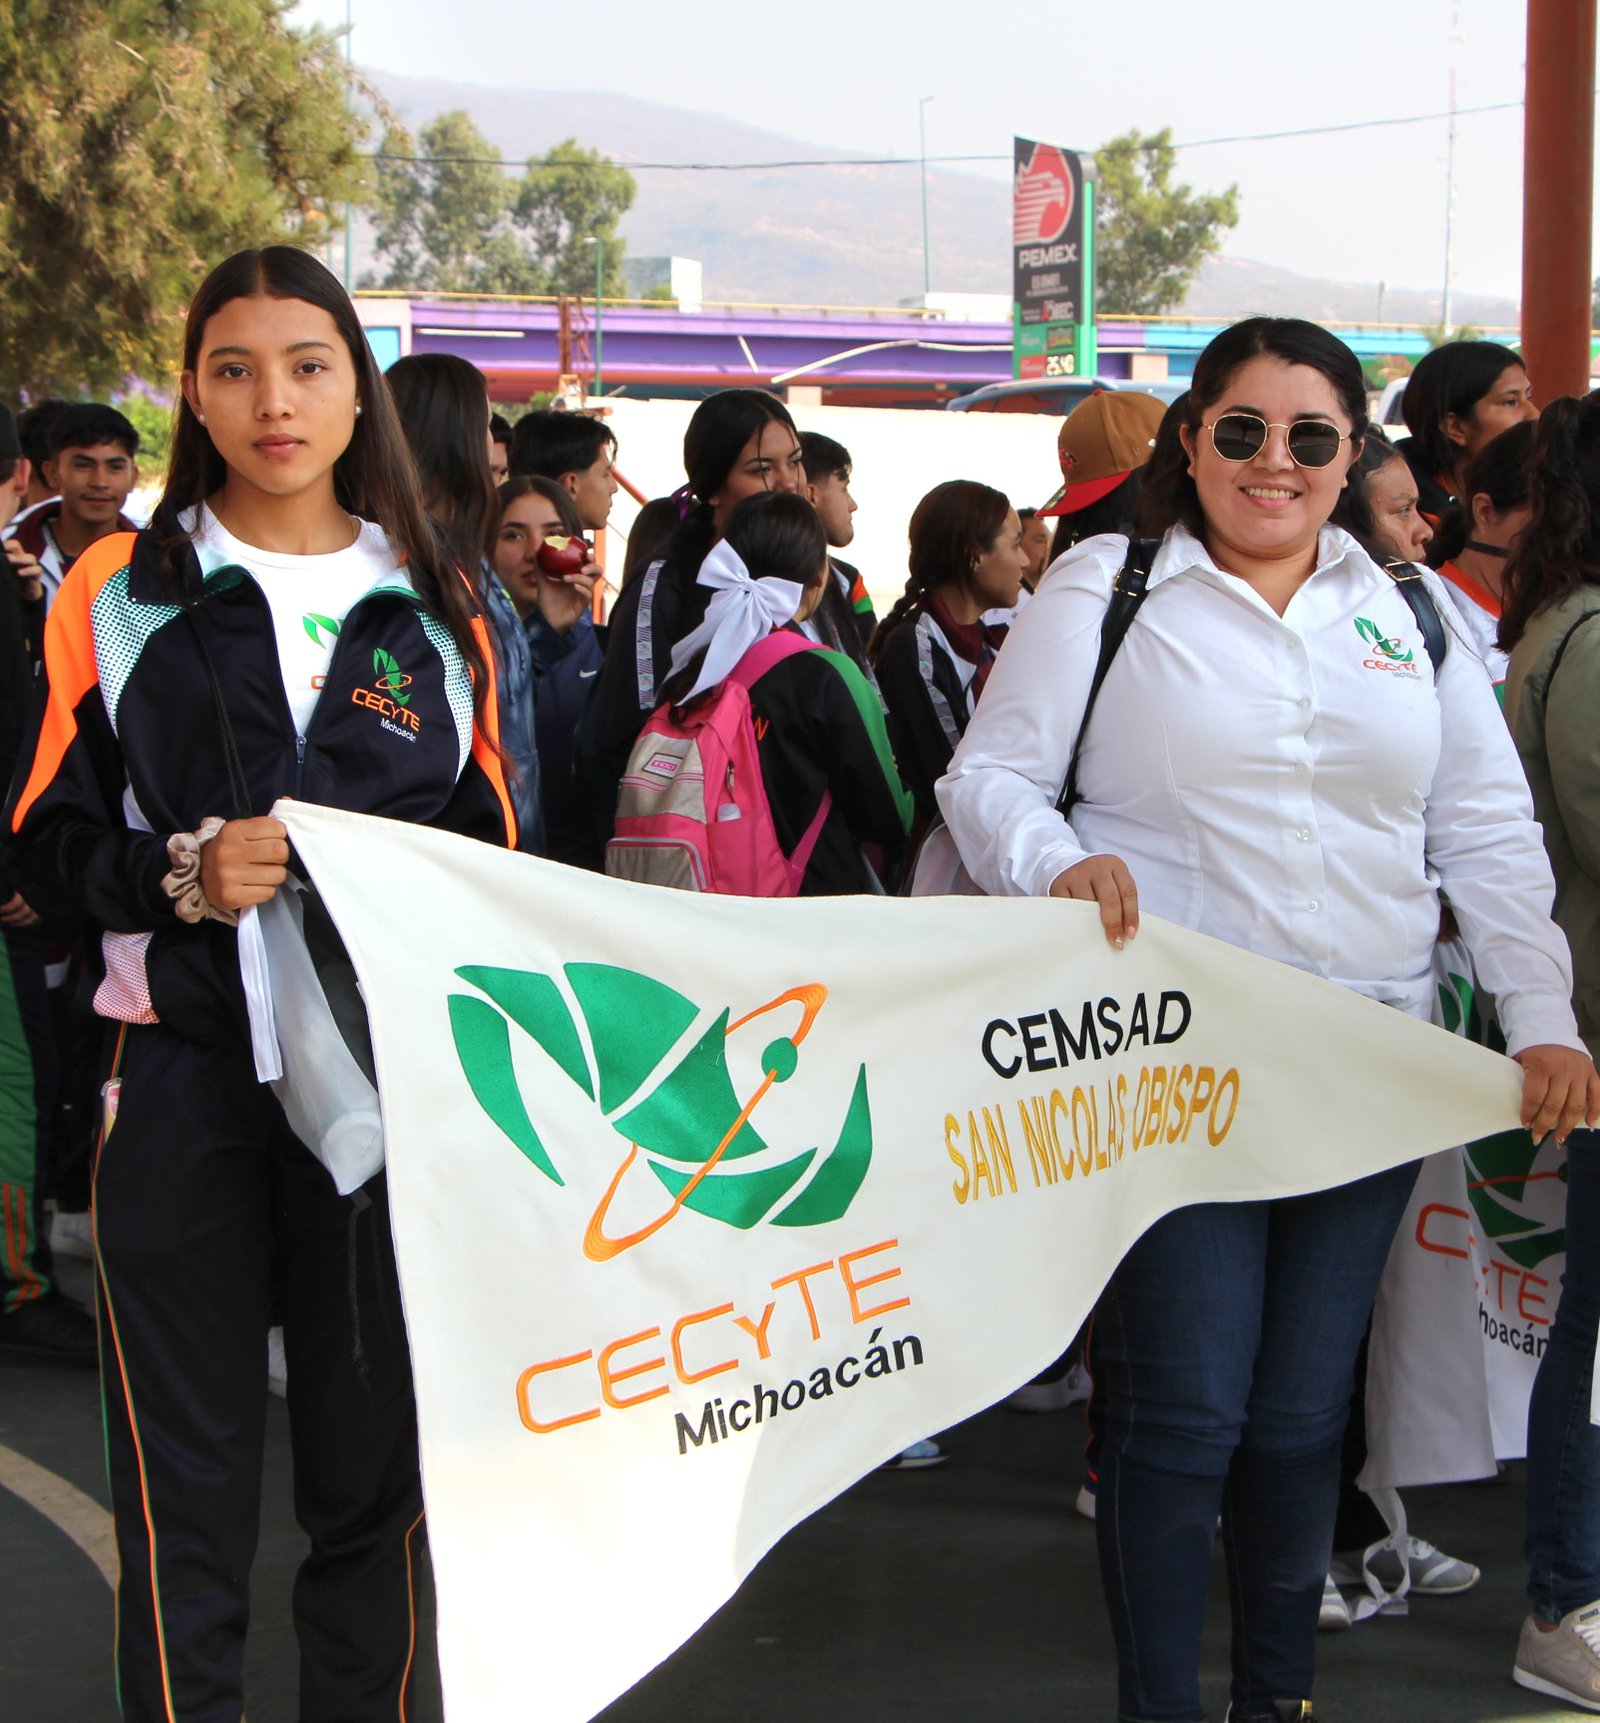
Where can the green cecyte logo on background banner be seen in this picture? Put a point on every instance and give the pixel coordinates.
(690, 1123)
(1518, 1205)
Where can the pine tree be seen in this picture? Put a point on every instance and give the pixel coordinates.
(142, 143)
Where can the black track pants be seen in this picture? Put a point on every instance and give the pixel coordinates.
(204, 1203)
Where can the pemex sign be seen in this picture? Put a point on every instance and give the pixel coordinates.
(1052, 262)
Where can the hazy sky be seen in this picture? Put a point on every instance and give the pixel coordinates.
(1363, 205)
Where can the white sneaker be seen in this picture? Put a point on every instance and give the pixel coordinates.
(1335, 1612)
(277, 1366)
(72, 1235)
(1565, 1663)
(1433, 1573)
(1085, 1502)
(1072, 1389)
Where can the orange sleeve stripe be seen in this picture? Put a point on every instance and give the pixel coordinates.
(69, 660)
(486, 734)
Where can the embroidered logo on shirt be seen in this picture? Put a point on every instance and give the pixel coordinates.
(317, 625)
(388, 698)
(1388, 654)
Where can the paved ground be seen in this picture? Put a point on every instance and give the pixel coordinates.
(962, 1595)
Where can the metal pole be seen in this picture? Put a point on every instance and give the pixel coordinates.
(1558, 196)
(349, 30)
(922, 151)
(599, 282)
(1447, 309)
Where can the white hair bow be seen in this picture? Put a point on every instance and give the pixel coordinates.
(742, 611)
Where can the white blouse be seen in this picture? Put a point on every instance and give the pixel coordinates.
(1296, 785)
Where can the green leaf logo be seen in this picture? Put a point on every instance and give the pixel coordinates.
(1374, 636)
(313, 622)
(390, 677)
(693, 1131)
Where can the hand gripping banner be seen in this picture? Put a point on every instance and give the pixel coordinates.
(706, 1206)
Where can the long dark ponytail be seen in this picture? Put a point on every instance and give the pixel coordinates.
(375, 477)
(1559, 549)
(951, 528)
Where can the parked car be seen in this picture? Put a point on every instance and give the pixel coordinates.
(1054, 395)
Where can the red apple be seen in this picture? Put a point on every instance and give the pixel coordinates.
(560, 556)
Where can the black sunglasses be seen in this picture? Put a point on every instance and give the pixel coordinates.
(1242, 436)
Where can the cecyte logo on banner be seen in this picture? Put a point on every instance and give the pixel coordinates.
(690, 1120)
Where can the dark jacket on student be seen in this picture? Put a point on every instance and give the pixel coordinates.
(565, 667)
(126, 748)
(651, 615)
(931, 670)
(820, 728)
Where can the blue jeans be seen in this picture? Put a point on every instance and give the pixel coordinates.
(1563, 1540)
(1227, 1341)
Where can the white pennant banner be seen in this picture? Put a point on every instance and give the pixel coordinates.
(705, 1206)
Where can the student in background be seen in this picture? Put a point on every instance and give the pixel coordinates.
(1552, 599)
(443, 403)
(33, 432)
(933, 651)
(565, 653)
(499, 448)
(93, 465)
(576, 450)
(652, 529)
(1461, 396)
(845, 618)
(1477, 538)
(738, 442)
(1104, 443)
(38, 1324)
(1036, 537)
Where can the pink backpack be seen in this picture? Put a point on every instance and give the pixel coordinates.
(692, 811)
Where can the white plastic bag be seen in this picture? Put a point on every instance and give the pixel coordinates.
(300, 1049)
(939, 870)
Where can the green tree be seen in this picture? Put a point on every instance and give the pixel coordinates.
(449, 218)
(142, 143)
(570, 195)
(442, 209)
(1151, 236)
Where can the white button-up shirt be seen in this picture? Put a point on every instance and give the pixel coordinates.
(1296, 785)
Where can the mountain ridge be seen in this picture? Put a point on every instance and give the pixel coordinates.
(850, 235)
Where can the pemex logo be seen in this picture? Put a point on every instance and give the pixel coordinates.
(1517, 1187)
(1375, 638)
(684, 1118)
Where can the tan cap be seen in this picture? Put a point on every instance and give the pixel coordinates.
(1101, 441)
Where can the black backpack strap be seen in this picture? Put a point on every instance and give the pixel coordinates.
(1127, 594)
(1408, 577)
(1561, 649)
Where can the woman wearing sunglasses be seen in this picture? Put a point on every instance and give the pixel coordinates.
(1272, 762)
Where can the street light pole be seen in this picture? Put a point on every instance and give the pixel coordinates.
(599, 282)
(922, 147)
(349, 214)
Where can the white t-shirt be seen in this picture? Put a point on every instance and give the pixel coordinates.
(309, 596)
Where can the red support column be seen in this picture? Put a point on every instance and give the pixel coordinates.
(1558, 196)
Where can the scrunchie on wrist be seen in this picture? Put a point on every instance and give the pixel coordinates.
(183, 885)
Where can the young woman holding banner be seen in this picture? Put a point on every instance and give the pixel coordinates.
(1253, 771)
(286, 626)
